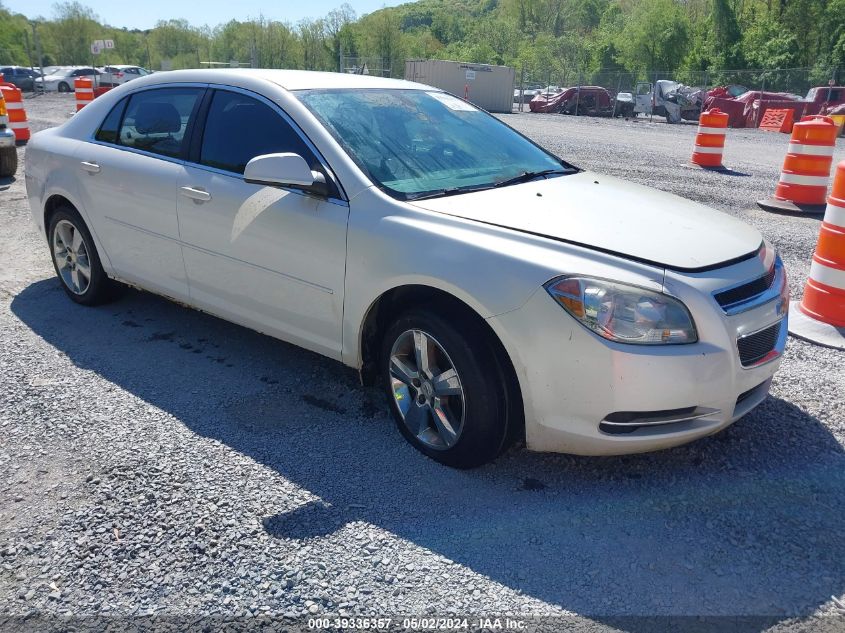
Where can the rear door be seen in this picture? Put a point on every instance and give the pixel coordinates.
(271, 258)
(127, 178)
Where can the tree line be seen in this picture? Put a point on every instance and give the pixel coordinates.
(542, 37)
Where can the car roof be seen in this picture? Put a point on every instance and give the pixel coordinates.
(288, 79)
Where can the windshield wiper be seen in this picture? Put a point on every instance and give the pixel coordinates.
(451, 191)
(529, 175)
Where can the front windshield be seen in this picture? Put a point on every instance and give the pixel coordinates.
(416, 143)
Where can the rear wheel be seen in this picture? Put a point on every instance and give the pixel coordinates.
(63, 87)
(446, 389)
(8, 162)
(75, 259)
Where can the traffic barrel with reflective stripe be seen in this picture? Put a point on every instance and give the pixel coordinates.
(16, 112)
(84, 89)
(824, 295)
(806, 168)
(710, 140)
(820, 317)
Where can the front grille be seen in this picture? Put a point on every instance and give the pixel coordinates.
(754, 347)
(746, 291)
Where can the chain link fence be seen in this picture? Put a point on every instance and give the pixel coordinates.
(356, 65)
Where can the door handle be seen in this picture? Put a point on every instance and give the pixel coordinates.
(195, 194)
(93, 168)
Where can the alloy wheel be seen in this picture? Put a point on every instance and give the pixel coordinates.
(427, 389)
(71, 255)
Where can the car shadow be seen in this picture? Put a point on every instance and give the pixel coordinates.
(747, 522)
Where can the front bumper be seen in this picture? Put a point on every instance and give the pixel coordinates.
(576, 385)
(7, 138)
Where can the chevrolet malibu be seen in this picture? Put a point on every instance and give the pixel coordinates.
(496, 292)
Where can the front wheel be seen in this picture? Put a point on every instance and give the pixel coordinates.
(445, 387)
(75, 259)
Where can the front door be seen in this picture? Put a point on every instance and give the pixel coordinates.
(270, 258)
(643, 98)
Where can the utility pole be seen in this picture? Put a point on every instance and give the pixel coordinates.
(37, 43)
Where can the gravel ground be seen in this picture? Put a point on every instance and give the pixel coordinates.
(157, 462)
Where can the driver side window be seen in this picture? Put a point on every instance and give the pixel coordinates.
(239, 128)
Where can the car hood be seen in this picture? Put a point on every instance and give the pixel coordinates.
(610, 215)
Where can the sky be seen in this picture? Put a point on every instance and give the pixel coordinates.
(143, 14)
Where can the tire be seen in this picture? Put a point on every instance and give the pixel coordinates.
(470, 395)
(8, 162)
(63, 87)
(73, 252)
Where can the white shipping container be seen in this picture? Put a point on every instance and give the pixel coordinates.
(489, 87)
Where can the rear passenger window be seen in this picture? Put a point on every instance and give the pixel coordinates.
(108, 130)
(239, 128)
(156, 120)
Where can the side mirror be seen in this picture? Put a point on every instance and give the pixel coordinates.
(287, 170)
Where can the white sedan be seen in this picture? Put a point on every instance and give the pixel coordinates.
(120, 74)
(496, 292)
(62, 79)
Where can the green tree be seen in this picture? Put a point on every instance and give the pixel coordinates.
(381, 38)
(72, 31)
(654, 36)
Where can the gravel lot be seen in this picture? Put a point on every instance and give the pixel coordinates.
(155, 461)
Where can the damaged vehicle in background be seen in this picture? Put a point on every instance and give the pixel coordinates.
(669, 99)
(494, 291)
(581, 100)
(747, 108)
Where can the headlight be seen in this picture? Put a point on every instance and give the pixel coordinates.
(623, 313)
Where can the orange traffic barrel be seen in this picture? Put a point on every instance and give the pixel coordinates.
(806, 168)
(820, 317)
(4, 114)
(16, 112)
(84, 89)
(710, 140)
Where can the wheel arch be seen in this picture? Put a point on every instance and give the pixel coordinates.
(393, 302)
(52, 204)
(56, 200)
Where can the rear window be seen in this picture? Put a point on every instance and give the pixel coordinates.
(156, 120)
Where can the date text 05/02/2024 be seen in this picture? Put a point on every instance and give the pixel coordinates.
(415, 624)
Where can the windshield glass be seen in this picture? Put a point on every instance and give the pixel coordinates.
(415, 143)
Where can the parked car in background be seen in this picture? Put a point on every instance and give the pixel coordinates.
(22, 77)
(583, 100)
(62, 79)
(120, 74)
(526, 94)
(493, 290)
(625, 104)
(669, 99)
